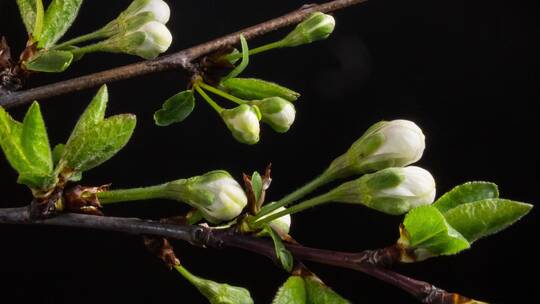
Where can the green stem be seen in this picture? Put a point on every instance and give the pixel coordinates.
(135, 194)
(294, 196)
(318, 200)
(255, 51)
(92, 36)
(222, 93)
(205, 96)
(97, 47)
(186, 274)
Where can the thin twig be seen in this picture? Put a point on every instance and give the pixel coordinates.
(220, 238)
(181, 60)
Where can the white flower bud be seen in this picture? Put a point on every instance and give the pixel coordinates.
(216, 194)
(386, 144)
(243, 121)
(281, 225)
(318, 26)
(277, 112)
(159, 8)
(392, 190)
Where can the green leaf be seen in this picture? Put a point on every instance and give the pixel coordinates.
(175, 109)
(318, 293)
(425, 228)
(50, 62)
(217, 293)
(283, 255)
(38, 23)
(28, 10)
(466, 193)
(257, 185)
(94, 146)
(58, 19)
(57, 152)
(245, 60)
(26, 148)
(293, 291)
(256, 89)
(482, 218)
(35, 142)
(94, 113)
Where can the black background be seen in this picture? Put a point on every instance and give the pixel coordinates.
(464, 72)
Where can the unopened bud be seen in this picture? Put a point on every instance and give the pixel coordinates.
(216, 194)
(281, 225)
(386, 144)
(318, 26)
(243, 121)
(159, 9)
(255, 89)
(392, 190)
(277, 112)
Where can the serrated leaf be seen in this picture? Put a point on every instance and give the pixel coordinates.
(283, 255)
(293, 291)
(466, 193)
(28, 9)
(318, 293)
(175, 109)
(35, 142)
(32, 174)
(50, 62)
(257, 185)
(482, 218)
(59, 17)
(426, 228)
(93, 146)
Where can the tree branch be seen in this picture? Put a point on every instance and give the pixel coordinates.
(181, 60)
(366, 261)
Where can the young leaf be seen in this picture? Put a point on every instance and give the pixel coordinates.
(35, 142)
(93, 114)
(257, 185)
(29, 161)
(28, 10)
(58, 19)
(283, 255)
(38, 24)
(93, 146)
(57, 152)
(256, 89)
(217, 293)
(466, 193)
(50, 62)
(244, 63)
(293, 291)
(175, 109)
(425, 228)
(318, 293)
(482, 218)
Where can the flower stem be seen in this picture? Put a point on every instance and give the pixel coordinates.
(135, 194)
(205, 96)
(91, 36)
(294, 196)
(255, 51)
(318, 200)
(222, 93)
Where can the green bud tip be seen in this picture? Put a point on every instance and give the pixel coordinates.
(277, 112)
(317, 26)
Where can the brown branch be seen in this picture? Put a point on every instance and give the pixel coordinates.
(365, 261)
(181, 60)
